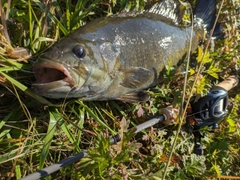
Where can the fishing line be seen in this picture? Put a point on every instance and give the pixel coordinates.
(26, 71)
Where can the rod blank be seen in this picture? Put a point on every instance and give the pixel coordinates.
(55, 167)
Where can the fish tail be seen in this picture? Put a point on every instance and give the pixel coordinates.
(205, 16)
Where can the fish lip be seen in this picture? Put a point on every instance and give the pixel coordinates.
(44, 63)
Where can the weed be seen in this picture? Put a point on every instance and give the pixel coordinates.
(35, 133)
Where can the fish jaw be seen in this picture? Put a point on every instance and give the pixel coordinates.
(53, 79)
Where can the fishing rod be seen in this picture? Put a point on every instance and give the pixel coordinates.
(168, 115)
(113, 140)
(208, 110)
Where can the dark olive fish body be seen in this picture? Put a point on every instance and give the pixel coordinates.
(114, 57)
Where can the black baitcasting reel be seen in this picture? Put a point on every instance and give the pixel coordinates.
(210, 110)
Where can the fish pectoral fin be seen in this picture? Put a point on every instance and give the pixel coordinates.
(135, 78)
(140, 96)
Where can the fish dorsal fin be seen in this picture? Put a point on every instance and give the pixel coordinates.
(126, 13)
(170, 9)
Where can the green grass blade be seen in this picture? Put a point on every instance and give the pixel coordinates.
(30, 21)
(53, 18)
(14, 154)
(95, 117)
(3, 121)
(8, 68)
(14, 63)
(80, 124)
(70, 136)
(68, 4)
(26, 90)
(59, 24)
(10, 156)
(18, 172)
(115, 105)
(4, 132)
(55, 117)
(76, 17)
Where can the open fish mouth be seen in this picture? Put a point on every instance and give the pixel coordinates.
(51, 75)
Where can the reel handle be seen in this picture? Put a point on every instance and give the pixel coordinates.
(229, 83)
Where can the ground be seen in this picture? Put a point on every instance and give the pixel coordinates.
(36, 132)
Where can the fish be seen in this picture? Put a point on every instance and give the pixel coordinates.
(120, 56)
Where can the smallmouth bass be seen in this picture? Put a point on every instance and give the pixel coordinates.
(117, 57)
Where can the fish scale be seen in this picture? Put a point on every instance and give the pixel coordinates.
(149, 53)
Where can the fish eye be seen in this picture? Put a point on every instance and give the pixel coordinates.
(79, 51)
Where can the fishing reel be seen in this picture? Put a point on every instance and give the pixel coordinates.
(207, 111)
(210, 110)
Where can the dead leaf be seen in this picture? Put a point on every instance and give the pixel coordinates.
(2, 79)
(124, 124)
(145, 137)
(140, 111)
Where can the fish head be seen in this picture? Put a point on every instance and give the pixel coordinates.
(75, 68)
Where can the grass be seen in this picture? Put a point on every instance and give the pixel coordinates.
(36, 132)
